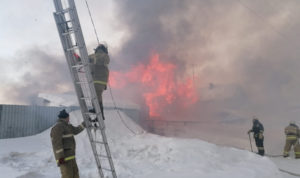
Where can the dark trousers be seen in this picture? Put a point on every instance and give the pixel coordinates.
(260, 145)
(99, 90)
(69, 169)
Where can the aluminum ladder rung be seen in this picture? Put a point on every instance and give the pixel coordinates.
(103, 156)
(73, 48)
(98, 142)
(65, 22)
(87, 98)
(107, 169)
(79, 65)
(69, 32)
(90, 113)
(64, 11)
(98, 127)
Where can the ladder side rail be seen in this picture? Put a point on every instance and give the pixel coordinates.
(84, 55)
(58, 5)
(68, 55)
(66, 43)
(94, 148)
(110, 160)
(79, 36)
(91, 138)
(84, 110)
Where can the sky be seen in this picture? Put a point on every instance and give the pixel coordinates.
(31, 54)
(244, 53)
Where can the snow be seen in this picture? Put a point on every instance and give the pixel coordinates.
(59, 99)
(288, 164)
(137, 155)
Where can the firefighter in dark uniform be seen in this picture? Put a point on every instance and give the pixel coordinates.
(258, 130)
(63, 143)
(292, 135)
(99, 68)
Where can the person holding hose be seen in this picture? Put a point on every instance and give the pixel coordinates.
(258, 130)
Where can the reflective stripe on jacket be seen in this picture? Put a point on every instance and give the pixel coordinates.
(62, 137)
(100, 82)
(291, 137)
(67, 159)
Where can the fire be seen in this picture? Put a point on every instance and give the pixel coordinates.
(160, 88)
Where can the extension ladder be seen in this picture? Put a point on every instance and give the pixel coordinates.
(74, 47)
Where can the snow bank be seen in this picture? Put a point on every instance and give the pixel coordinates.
(136, 155)
(59, 99)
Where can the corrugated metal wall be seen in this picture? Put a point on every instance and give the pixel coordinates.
(20, 121)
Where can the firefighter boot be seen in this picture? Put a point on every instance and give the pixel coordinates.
(261, 152)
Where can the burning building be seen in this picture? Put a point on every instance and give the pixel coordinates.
(166, 96)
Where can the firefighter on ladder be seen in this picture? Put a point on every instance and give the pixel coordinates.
(99, 68)
(292, 135)
(63, 143)
(258, 130)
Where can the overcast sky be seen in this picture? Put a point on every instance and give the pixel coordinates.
(245, 53)
(31, 50)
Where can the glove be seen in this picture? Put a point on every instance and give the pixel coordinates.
(77, 57)
(260, 136)
(61, 161)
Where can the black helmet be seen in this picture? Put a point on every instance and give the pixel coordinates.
(101, 48)
(63, 114)
(255, 119)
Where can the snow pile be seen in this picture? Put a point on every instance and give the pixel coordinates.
(59, 99)
(140, 155)
(68, 100)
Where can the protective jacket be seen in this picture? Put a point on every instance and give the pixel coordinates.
(291, 132)
(99, 67)
(292, 135)
(257, 129)
(63, 142)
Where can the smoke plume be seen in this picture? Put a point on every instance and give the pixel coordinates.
(31, 72)
(241, 54)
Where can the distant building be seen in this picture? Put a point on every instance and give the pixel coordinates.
(20, 121)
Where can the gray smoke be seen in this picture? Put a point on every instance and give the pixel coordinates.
(35, 71)
(246, 50)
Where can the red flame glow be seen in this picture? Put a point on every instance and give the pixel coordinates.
(159, 86)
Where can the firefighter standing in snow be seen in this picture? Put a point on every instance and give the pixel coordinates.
(63, 142)
(100, 72)
(292, 134)
(258, 130)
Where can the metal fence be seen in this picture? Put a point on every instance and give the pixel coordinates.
(20, 121)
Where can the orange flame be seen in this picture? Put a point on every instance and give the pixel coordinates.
(159, 85)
